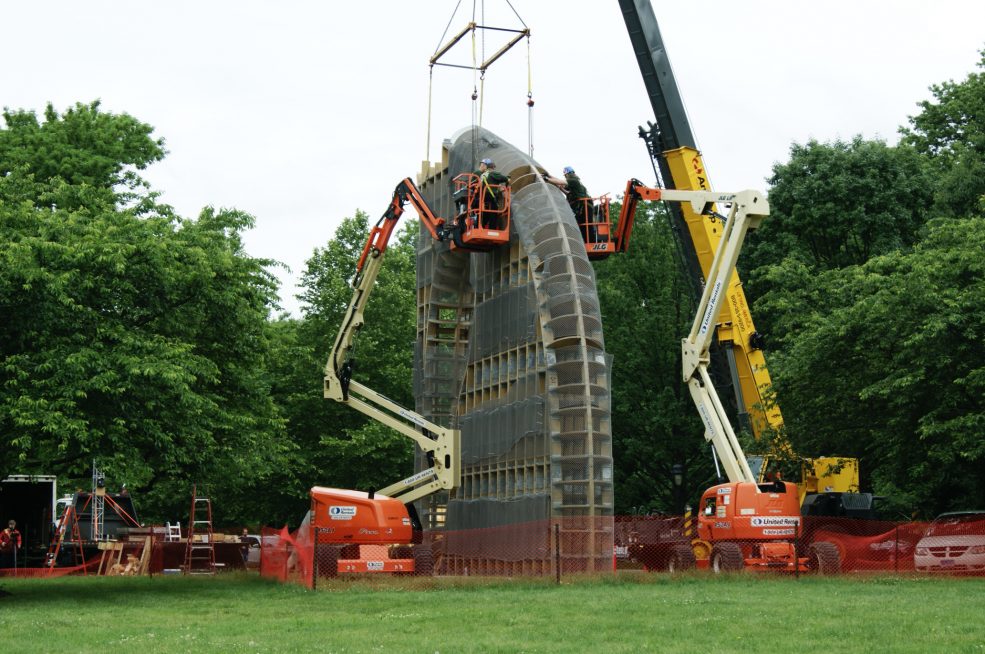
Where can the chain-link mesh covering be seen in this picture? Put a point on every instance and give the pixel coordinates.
(510, 349)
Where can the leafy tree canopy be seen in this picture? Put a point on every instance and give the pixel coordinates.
(950, 132)
(888, 365)
(839, 204)
(91, 152)
(131, 336)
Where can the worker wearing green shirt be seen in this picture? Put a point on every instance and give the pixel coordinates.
(578, 199)
(489, 181)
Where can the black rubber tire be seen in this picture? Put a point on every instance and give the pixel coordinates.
(327, 560)
(402, 552)
(423, 562)
(727, 557)
(681, 559)
(350, 551)
(823, 558)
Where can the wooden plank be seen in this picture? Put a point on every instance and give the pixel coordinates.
(145, 557)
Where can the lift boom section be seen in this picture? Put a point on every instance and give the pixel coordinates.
(441, 444)
(742, 523)
(748, 209)
(635, 191)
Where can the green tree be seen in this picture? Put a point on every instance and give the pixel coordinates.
(647, 308)
(950, 132)
(838, 204)
(131, 335)
(887, 366)
(95, 154)
(339, 446)
(834, 205)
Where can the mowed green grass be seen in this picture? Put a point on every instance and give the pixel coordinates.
(630, 613)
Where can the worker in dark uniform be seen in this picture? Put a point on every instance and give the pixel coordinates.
(244, 547)
(579, 200)
(488, 193)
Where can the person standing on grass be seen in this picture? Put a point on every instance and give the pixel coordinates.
(10, 542)
(244, 538)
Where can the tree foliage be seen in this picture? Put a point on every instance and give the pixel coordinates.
(93, 153)
(839, 204)
(950, 132)
(131, 336)
(889, 366)
(873, 309)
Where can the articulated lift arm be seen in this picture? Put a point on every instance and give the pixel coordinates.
(442, 445)
(747, 211)
(635, 191)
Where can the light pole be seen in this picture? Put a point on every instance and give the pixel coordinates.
(677, 476)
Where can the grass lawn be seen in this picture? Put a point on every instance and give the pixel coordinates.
(630, 613)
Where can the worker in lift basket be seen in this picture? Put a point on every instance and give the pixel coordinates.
(487, 195)
(579, 200)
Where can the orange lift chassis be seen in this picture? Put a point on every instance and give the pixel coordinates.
(747, 524)
(379, 531)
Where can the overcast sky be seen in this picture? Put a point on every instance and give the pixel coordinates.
(302, 112)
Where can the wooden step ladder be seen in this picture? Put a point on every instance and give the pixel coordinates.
(68, 525)
(200, 551)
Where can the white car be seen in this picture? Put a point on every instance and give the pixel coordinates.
(954, 542)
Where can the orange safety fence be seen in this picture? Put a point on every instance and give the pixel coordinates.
(953, 544)
(644, 543)
(287, 556)
(89, 568)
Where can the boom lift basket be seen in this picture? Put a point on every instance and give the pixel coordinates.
(483, 220)
(595, 226)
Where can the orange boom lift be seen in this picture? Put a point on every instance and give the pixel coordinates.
(746, 523)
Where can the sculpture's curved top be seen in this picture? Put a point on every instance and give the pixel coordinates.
(510, 348)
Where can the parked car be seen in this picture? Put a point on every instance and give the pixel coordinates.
(954, 542)
(870, 545)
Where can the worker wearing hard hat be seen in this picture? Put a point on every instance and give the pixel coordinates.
(578, 199)
(489, 181)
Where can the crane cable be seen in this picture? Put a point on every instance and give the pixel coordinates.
(482, 74)
(478, 89)
(530, 103)
(427, 147)
(427, 153)
(530, 85)
(475, 96)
